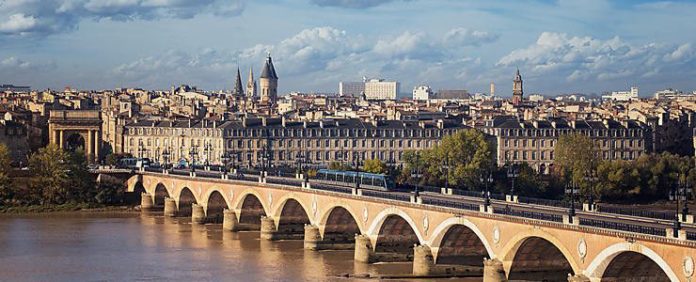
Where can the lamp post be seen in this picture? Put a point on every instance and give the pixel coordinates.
(487, 193)
(207, 149)
(512, 172)
(591, 178)
(356, 161)
(192, 153)
(157, 155)
(571, 189)
(446, 168)
(416, 174)
(165, 156)
(685, 208)
(141, 152)
(225, 158)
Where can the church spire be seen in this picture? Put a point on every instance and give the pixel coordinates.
(238, 91)
(251, 84)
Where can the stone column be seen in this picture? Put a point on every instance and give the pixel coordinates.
(423, 261)
(268, 228)
(363, 249)
(89, 146)
(229, 221)
(493, 271)
(169, 207)
(146, 202)
(312, 237)
(60, 138)
(97, 142)
(197, 214)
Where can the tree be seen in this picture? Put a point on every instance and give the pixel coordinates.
(374, 166)
(49, 167)
(339, 166)
(6, 188)
(576, 158)
(467, 153)
(528, 181)
(82, 186)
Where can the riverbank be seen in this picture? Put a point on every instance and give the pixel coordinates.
(67, 209)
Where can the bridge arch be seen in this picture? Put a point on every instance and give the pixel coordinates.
(160, 192)
(536, 253)
(339, 214)
(291, 216)
(249, 209)
(604, 264)
(209, 193)
(185, 199)
(455, 239)
(215, 206)
(394, 231)
(339, 224)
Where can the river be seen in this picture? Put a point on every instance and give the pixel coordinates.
(101, 247)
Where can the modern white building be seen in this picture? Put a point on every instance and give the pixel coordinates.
(351, 88)
(622, 95)
(379, 89)
(422, 93)
(673, 94)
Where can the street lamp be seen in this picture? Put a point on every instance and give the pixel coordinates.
(571, 189)
(446, 168)
(356, 161)
(225, 158)
(416, 174)
(141, 149)
(685, 208)
(512, 172)
(591, 178)
(487, 192)
(157, 155)
(192, 154)
(165, 155)
(207, 149)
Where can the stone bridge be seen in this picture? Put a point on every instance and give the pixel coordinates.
(437, 239)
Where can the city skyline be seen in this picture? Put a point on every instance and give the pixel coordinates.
(559, 46)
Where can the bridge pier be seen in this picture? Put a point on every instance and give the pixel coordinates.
(312, 237)
(363, 249)
(493, 271)
(423, 261)
(229, 221)
(169, 207)
(146, 203)
(197, 214)
(268, 228)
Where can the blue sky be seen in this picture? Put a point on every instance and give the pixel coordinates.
(561, 46)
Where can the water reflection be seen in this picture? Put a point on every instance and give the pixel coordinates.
(152, 247)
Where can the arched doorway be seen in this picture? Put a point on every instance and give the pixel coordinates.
(250, 213)
(340, 227)
(186, 199)
(292, 219)
(75, 141)
(395, 240)
(633, 267)
(216, 207)
(537, 259)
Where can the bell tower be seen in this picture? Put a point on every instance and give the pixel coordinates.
(517, 91)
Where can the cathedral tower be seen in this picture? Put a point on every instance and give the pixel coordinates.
(517, 89)
(238, 91)
(268, 82)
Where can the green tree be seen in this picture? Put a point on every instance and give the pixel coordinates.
(339, 166)
(528, 182)
(82, 185)
(6, 187)
(374, 166)
(575, 159)
(467, 153)
(50, 170)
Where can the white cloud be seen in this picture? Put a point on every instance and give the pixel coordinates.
(466, 37)
(586, 58)
(353, 4)
(45, 17)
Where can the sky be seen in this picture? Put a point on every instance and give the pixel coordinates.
(560, 46)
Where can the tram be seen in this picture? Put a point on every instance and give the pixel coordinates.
(350, 178)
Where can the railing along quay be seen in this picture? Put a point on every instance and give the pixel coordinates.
(386, 195)
(636, 212)
(623, 227)
(529, 214)
(450, 204)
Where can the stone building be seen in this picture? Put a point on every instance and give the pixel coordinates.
(14, 135)
(533, 142)
(319, 142)
(268, 83)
